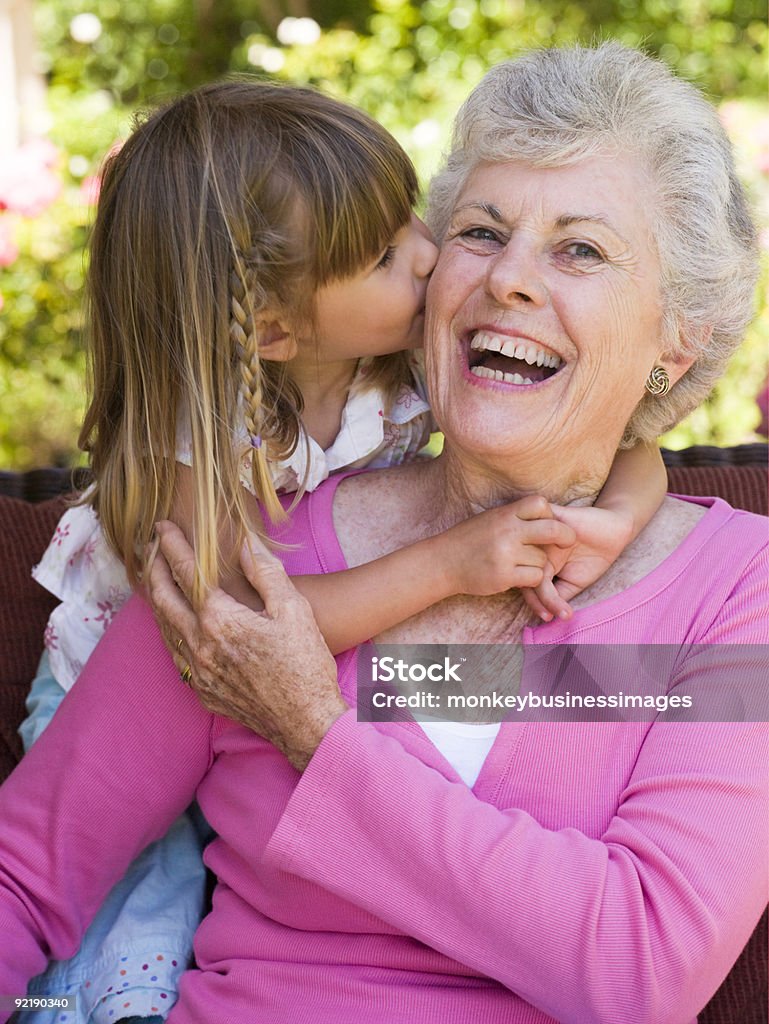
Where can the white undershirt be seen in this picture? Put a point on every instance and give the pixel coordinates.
(465, 745)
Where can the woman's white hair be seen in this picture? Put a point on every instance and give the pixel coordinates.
(555, 107)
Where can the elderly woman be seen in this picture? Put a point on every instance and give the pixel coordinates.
(600, 871)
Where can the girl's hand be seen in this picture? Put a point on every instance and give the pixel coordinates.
(602, 535)
(269, 670)
(503, 547)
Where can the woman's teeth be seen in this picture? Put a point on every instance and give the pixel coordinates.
(501, 348)
(508, 378)
(531, 353)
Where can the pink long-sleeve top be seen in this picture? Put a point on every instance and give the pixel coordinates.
(596, 872)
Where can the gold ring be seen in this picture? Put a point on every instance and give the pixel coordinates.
(186, 675)
(179, 643)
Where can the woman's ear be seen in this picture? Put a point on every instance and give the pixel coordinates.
(689, 350)
(277, 340)
(676, 366)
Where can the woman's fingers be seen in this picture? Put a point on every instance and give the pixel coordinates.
(533, 506)
(178, 554)
(267, 576)
(171, 607)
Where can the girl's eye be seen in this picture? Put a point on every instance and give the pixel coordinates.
(387, 257)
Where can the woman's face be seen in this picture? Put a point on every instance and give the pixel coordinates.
(544, 310)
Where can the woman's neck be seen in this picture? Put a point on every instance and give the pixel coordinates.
(461, 487)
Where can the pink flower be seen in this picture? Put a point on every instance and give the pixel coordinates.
(90, 187)
(109, 607)
(405, 397)
(9, 251)
(28, 182)
(60, 535)
(107, 610)
(50, 638)
(392, 435)
(85, 554)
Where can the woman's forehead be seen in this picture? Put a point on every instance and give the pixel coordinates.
(609, 190)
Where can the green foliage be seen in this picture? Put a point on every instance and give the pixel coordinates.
(410, 65)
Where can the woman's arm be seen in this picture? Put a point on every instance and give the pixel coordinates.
(637, 924)
(119, 762)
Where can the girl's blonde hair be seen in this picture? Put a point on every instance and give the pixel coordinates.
(234, 198)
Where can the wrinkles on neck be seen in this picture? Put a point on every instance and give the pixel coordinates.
(460, 486)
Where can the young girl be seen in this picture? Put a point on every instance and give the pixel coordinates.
(257, 282)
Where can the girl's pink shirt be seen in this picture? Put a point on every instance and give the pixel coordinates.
(596, 872)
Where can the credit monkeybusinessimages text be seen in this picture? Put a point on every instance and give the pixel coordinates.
(429, 700)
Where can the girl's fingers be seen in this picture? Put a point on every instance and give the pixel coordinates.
(550, 532)
(552, 600)
(544, 598)
(567, 590)
(531, 598)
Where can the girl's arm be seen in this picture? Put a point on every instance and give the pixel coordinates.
(635, 487)
(630, 497)
(486, 554)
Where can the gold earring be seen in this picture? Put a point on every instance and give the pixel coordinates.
(658, 382)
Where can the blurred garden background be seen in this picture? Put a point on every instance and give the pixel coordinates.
(73, 72)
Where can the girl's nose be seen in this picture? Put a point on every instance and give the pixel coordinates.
(427, 250)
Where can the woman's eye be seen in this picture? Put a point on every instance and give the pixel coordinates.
(386, 257)
(583, 251)
(480, 234)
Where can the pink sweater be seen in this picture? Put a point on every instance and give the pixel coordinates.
(597, 872)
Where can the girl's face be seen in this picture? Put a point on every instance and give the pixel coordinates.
(380, 310)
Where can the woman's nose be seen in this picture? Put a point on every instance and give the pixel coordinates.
(514, 276)
(427, 250)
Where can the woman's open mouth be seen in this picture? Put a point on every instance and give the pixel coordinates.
(510, 360)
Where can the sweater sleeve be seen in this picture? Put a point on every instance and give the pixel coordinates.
(638, 925)
(119, 762)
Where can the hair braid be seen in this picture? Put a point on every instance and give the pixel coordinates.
(243, 289)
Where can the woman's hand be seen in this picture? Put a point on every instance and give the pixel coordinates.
(269, 670)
